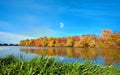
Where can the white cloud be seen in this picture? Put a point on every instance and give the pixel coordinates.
(61, 25)
(6, 37)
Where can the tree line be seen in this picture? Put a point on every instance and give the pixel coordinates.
(5, 44)
(107, 39)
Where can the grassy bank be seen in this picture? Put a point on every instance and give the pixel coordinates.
(11, 65)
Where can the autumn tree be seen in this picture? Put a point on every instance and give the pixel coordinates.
(63, 41)
(44, 41)
(32, 42)
(87, 41)
(106, 40)
(38, 42)
(51, 42)
(116, 40)
(57, 42)
(24, 43)
(106, 34)
(70, 42)
(76, 40)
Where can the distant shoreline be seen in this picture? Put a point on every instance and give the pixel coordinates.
(5, 44)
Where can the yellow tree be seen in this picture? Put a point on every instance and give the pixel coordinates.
(87, 41)
(27, 42)
(106, 34)
(106, 38)
(76, 40)
(32, 42)
(51, 42)
(69, 42)
(22, 43)
(116, 39)
(44, 41)
(57, 42)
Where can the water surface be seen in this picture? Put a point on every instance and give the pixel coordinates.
(99, 56)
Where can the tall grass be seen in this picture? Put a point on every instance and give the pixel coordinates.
(11, 65)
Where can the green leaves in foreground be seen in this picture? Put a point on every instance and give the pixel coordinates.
(10, 65)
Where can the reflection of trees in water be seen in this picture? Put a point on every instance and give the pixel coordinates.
(60, 51)
(70, 52)
(88, 53)
(111, 56)
(51, 52)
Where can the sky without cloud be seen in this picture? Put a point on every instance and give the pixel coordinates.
(22, 19)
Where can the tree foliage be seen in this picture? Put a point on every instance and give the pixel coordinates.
(106, 40)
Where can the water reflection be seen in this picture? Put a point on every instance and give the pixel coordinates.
(110, 56)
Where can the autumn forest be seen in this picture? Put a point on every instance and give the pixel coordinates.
(107, 39)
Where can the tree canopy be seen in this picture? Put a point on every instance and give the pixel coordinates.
(106, 39)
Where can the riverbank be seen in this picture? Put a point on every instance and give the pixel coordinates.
(11, 65)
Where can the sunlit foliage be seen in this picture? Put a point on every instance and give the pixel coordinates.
(105, 40)
(51, 42)
(70, 42)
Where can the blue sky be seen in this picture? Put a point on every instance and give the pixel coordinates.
(27, 19)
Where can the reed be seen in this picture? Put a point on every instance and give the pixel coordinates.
(11, 65)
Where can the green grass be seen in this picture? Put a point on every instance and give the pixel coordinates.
(11, 65)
